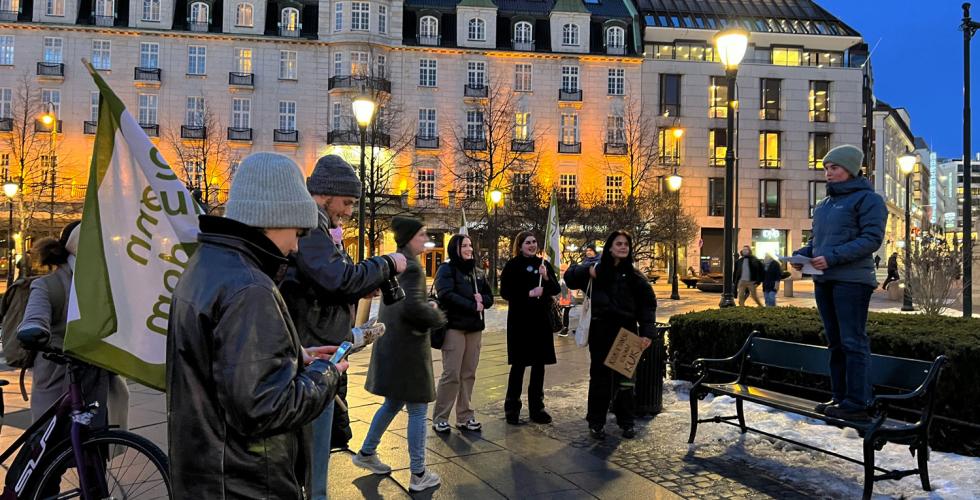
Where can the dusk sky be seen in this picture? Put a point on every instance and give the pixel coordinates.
(918, 63)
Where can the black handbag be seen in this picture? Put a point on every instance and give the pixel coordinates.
(437, 336)
(554, 316)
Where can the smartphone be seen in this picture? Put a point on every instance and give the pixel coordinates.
(342, 352)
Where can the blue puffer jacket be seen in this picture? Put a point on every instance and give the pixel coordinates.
(848, 227)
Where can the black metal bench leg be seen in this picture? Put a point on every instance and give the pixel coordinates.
(741, 414)
(694, 415)
(923, 457)
(869, 468)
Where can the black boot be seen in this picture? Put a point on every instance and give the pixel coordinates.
(540, 417)
(512, 411)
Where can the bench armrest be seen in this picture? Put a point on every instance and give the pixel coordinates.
(881, 403)
(702, 366)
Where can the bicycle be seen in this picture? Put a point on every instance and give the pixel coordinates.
(115, 464)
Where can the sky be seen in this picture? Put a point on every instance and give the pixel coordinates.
(918, 63)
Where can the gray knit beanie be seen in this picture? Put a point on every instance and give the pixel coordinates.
(333, 176)
(268, 192)
(846, 156)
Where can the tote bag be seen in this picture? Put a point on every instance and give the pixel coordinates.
(585, 319)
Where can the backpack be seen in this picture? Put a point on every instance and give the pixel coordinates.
(13, 306)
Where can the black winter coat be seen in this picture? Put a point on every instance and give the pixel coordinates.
(530, 340)
(623, 299)
(238, 397)
(757, 272)
(455, 289)
(773, 275)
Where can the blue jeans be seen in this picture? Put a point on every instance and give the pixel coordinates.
(416, 431)
(322, 428)
(770, 298)
(844, 310)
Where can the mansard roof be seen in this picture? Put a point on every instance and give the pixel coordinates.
(766, 16)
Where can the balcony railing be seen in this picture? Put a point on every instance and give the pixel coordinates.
(353, 137)
(615, 50)
(569, 94)
(239, 134)
(770, 163)
(432, 40)
(474, 144)
(359, 82)
(521, 146)
(151, 129)
(474, 90)
(39, 126)
(285, 135)
(198, 26)
(573, 148)
(146, 74)
(289, 32)
(669, 159)
(426, 142)
(6, 124)
(522, 45)
(615, 148)
(105, 21)
(51, 69)
(189, 132)
(241, 79)
(8, 15)
(89, 127)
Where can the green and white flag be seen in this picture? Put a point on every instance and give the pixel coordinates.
(462, 223)
(139, 229)
(552, 235)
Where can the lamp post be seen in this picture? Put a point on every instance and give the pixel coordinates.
(495, 198)
(363, 112)
(906, 164)
(10, 189)
(730, 45)
(50, 118)
(674, 184)
(969, 28)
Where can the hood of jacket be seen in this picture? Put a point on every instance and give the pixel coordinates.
(849, 186)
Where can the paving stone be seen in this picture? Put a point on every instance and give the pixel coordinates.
(457, 482)
(618, 483)
(513, 476)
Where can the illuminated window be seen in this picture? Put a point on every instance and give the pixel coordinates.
(717, 147)
(769, 96)
(244, 15)
(426, 183)
(669, 147)
(718, 97)
(819, 146)
(769, 150)
(819, 101)
(787, 56)
(522, 121)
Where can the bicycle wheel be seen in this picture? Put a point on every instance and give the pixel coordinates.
(124, 466)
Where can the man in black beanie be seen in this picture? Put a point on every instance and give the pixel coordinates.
(322, 288)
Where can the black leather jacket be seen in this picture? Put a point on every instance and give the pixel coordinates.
(238, 396)
(456, 291)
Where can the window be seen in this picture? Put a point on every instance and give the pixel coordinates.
(818, 191)
(338, 17)
(769, 149)
(787, 56)
(197, 60)
(359, 63)
(339, 118)
(243, 60)
(55, 7)
(243, 15)
(615, 37)
(360, 16)
(382, 19)
(104, 8)
(427, 123)
(716, 196)
(819, 146)
(427, 73)
(199, 13)
(476, 30)
(617, 81)
(194, 116)
(101, 52)
(567, 184)
(147, 109)
(338, 64)
(614, 189)
(427, 183)
(718, 97)
(287, 115)
(615, 129)
(6, 50)
(569, 35)
(53, 49)
(523, 32)
(670, 95)
(684, 51)
(823, 59)
(569, 128)
(522, 78)
(54, 97)
(151, 10)
(289, 19)
(569, 78)
(474, 124)
(717, 147)
(669, 147)
(473, 185)
(149, 55)
(769, 98)
(819, 101)
(429, 27)
(287, 65)
(476, 74)
(522, 122)
(380, 67)
(6, 103)
(520, 186)
(241, 113)
(5, 165)
(769, 198)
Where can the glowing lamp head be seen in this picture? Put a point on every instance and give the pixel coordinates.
(10, 189)
(496, 196)
(906, 163)
(674, 182)
(730, 45)
(363, 110)
(47, 119)
(678, 133)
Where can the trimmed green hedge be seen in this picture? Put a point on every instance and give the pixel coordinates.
(719, 333)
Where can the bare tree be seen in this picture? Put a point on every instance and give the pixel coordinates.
(931, 268)
(206, 160)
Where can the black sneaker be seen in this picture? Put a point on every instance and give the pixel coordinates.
(513, 419)
(856, 415)
(629, 432)
(540, 417)
(821, 408)
(597, 433)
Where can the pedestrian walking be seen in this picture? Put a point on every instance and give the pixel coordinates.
(322, 288)
(401, 362)
(892, 271)
(464, 296)
(749, 272)
(621, 298)
(241, 391)
(528, 283)
(848, 227)
(877, 262)
(770, 283)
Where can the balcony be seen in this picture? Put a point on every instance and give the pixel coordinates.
(521, 146)
(89, 127)
(291, 136)
(241, 79)
(353, 137)
(195, 132)
(151, 129)
(478, 91)
(8, 15)
(474, 144)
(615, 50)
(198, 26)
(146, 74)
(6, 124)
(614, 148)
(573, 148)
(104, 21)
(239, 134)
(39, 126)
(55, 70)
(426, 142)
(431, 40)
(569, 94)
(289, 32)
(669, 159)
(359, 83)
(527, 46)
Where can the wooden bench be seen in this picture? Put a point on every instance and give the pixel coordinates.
(908, 382)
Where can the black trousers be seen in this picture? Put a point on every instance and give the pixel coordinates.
(535, 389)
(607, 385)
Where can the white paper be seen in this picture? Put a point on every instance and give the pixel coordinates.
(801, 259)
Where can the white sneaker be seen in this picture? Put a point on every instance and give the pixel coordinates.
(428, 480)
(470, 425)
(371, 463)
(441, 427)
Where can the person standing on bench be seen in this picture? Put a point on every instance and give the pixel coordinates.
(848, 227)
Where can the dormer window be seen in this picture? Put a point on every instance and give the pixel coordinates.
(428, 31)
(289, 24)
(104, 8)
(244, 15)
(616, 40)
(198, 18)
(569, 35)
(523, 36)
(476, 30)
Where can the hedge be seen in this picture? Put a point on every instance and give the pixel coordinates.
(719, 333)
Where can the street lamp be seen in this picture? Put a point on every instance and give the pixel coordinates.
(363, 112)
(50, 119)
(674, 184)
(969, 27)
(906, 163)
(10, 189)
(730, 45)
(496, 197)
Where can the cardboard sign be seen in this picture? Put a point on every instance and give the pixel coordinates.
(363, 311)
(625, 353)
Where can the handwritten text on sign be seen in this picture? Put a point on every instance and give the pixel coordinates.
(625, 353)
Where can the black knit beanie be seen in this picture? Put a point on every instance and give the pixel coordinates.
(333, 176)
(405, 228)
